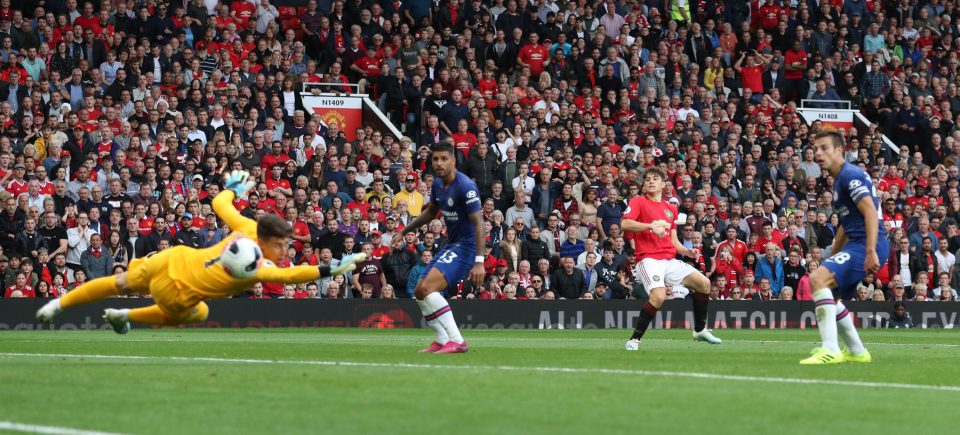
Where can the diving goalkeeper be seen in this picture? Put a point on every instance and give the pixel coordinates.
(181, 278)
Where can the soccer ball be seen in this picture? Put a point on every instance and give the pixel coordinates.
(241, 258)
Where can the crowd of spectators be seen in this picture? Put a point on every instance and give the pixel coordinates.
(117, 119)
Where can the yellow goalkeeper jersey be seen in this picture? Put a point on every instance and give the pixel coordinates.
(197, 271)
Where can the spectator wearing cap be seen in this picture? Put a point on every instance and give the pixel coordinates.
(211, 234)
(196, 182)
(187, 234)
(411, 196)
(376, 242)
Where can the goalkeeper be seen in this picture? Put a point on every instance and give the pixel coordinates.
(181, 278)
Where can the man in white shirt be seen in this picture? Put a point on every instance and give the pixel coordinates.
(945, 259)
(523, 182)
(548, 104)
(78, 239)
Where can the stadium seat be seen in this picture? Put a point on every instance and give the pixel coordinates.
(287, 11)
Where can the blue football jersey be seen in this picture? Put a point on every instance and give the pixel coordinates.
(456, 203)
(851, 185)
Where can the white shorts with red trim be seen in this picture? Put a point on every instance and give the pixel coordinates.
(658, 273)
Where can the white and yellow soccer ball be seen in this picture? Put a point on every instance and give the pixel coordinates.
(241, 258)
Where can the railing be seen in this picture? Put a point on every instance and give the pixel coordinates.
(859, 120)
(308, 87)
(804, 104)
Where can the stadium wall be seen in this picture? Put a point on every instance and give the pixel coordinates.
(245, 313)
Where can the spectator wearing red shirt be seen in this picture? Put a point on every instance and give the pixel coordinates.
(769, 15)
(738, 247)
(257, 291)
(274, 290)
(463, 140)
(566, 203)
(241, 12)
(919, 197)
(277, 185)
(379, 249)
(86, 20)
(794, 66)
(727, 266)
(368, 68)
(891, 178)
(275, 158)
(18, 184)
(767, 236)
(752, 74)
(20, 286)
(301, 231)
(891, 214)
(534, 55)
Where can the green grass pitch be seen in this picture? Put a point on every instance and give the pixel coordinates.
(351, 381)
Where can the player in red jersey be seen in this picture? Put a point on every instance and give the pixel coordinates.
(652, 223)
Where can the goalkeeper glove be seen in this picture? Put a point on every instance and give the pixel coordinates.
(239, 182)
(346, 265)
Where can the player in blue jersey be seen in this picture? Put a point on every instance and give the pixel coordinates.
(859, 247)
(457, 198)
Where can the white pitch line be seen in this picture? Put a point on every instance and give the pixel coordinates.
(655, 373)
(478, 339)
(55, 430)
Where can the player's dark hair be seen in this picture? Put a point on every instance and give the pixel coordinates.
(835, 138)
(271, 226)
(441, 147)
(654, 170)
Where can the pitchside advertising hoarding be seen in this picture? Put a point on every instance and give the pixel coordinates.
(345, 111)
(387, 314)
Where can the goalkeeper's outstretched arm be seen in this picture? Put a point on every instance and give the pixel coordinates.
(306, 273)
(235, 183)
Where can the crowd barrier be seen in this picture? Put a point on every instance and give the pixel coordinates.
(18, 314)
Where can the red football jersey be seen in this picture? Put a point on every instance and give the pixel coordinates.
(648, 244)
